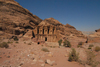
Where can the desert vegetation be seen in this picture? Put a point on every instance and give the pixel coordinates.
(97, 48)
(80, 44)
(45, 49)
(91, 59)
(29, 43)
(73, 56)
(15, 38)
(66, 43)
(60, 41)
(90, 46)
(4, 44)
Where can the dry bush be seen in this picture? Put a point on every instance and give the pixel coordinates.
(73, 56)
(29, 43)
(16, 42)
(9, 42)
(45, 50)
(97, 48)
(66, 43)
(91, 59)
(90, 46)
(4, 44)
(80, 44)
(16, 38)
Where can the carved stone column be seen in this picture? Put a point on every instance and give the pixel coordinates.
(51, 30)
(45, 30)
(55, 30)
(41, 30)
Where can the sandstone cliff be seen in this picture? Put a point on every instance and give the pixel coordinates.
(14, 19)
(66, 30)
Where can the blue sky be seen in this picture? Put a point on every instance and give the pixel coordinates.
(84, 15)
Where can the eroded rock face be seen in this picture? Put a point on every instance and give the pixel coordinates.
(98, 30)
(94, 38)
(14, 18)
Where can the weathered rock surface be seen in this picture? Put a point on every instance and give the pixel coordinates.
(50, 62)
(94, 38)
(14, 18)
(98, 30)
(66, 30)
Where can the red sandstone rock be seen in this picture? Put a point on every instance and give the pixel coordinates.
(98, 30)
(14, 17)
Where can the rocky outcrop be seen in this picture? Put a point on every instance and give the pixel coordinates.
(52, 21)
(69, 26)
(94, 38)
(14, 18)
(98, 30)
(66, 30)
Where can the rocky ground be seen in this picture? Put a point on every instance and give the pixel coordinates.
(26, 53)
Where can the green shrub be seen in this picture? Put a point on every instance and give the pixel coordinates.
(66, 43)
(80, 44)
(97, 48)
(45, 50)
(73, 56)
(4, 44)
(60, 41)
(15, 38)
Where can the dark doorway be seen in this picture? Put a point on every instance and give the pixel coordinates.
(45, 38)
(33, 34)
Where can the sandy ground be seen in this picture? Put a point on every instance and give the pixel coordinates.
(23, 55)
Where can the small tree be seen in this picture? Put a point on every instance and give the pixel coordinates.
(60, 41)
(66, 43)
(73, 56)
